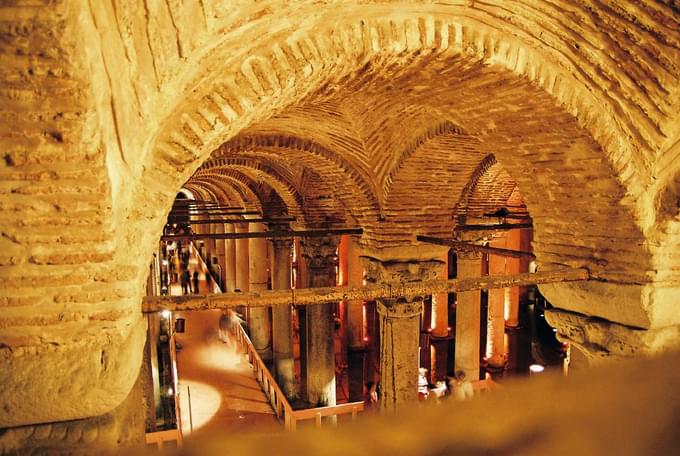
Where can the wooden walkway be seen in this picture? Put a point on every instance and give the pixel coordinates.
(225, 397)
(217, 376)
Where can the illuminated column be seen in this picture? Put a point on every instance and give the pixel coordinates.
(512, 266)
(210, 244)
(356, 345)
(320, 255)
(468, 314)
(525, 237)
(260, 323)
(221, 250)
(281, 323)
(399, 329)
(300, 281)
(230, 260)
(242, 283)
(439, 336)
(495, 346)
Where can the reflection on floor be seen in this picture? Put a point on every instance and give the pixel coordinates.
(225, 397)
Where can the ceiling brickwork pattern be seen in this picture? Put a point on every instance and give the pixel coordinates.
(373, 114)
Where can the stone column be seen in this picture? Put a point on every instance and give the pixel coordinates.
(525, 237)
(439, 336)
(230, 260)
(281, 319)
(242, 283)
(399, 335)
(221, 251)
(210, 244)
(512, 266)
(356, 345)
(495, 340)
(260, 319)
(468, 314)
(320, 255)
(399, 329)
(242, 271)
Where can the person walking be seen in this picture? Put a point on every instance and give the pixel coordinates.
(185, 280)
(195, 282)
(462, 389)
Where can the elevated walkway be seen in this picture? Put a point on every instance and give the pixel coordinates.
(219, 393)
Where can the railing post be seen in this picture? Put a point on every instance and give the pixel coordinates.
(318, 420)
(354, 413)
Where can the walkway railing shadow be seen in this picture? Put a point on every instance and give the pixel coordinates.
(277, 398)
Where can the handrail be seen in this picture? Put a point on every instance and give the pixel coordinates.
(204, 269)
(317, 413)
(161, 437)
(278, 399)
(175, 384)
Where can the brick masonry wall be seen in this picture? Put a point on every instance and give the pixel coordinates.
(376, 114)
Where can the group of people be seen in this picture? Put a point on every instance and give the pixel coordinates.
(458, 387)
(186, 281)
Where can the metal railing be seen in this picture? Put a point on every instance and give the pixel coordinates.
(162, 438)
(278, 399)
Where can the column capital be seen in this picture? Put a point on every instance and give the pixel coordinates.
(399, 271)
(391, 308)
(320, 252)
(282, 243)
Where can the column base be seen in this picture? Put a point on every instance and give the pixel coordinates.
(355, 372)
(285, 375)
(496, 362)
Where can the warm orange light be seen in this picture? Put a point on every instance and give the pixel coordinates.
(205, 402)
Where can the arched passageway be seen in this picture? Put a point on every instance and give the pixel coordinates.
(378, 115)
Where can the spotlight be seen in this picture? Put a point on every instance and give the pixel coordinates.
(166, 314)
(536, 369)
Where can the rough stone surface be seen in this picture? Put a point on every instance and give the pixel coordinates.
(592, 413)
(604, 341)
(120, 430)
(397, 117)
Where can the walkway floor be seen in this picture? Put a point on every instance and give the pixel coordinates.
(225, 397)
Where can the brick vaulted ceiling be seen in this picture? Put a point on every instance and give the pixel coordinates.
(382, 114)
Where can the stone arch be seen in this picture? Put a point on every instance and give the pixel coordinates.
(489, 191)
(329, 163)
(444, 128)
(273, 175)
(460, 30)
(462, 203)
(238, 183)
(258, 79)
(199, 192)
(643, 86)
(435, 166)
